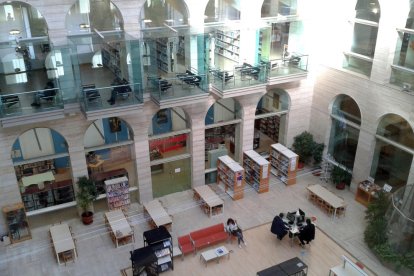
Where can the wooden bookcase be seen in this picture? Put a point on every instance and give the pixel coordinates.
(117, 193)
(366, 192)
(257, 171)
(231, 174)
(284, 163)
(34, 168)
(16, 222)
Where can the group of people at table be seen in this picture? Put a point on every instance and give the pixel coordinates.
(296, 225)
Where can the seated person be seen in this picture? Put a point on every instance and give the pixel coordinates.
(120, 88)
(233, 229)
(307, 233)
(279, 228)
(48, 93)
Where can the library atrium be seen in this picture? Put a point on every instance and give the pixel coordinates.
(154, 99)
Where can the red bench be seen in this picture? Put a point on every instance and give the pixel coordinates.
(208, 236)
(185, 244)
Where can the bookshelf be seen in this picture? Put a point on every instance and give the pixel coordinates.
(270, 127)
(366, 192)
(16, 222)
(34, 168)
(166, 51)
(257, 171)
(117, 193)
(111, 58)
(160, 241)
(231, 175)
(283, 163)
(227, 44)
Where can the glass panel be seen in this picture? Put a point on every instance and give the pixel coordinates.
(368, 10)
(219, 141)
(275, 100)
(86, 15)
(211, 178)
(272, 8)
(171, 177)
(157, 13)
(390, 165)
(168, 146)
(222, 10)
(397, 129)
(343, 143)
(346, 108)
(404, 54)
(364, 40)
(222, 111)
(357, 65)
(402, 78)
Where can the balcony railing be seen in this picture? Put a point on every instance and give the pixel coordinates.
(25, 103)
(295, 63)
(98, 98)
(244, 75)
(187, 84)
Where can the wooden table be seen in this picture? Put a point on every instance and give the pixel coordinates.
(119, 227)
(97, 165)
(210, 198)
(62, 240)
(158, 214)
(39, 179)
(330, 198)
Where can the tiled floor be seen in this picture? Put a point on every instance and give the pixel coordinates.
(98, 255)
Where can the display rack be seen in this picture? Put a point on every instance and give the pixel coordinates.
(117, 193)
(366, 192)
(227, 44)
(16, 222)
(160, 241)
(231, 175)
(283, 163)
(257, 171)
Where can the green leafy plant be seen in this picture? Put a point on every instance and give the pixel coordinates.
(86, 194)
(303, 146)
(317, 152)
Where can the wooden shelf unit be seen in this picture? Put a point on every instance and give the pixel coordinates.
(366, 192)
(117, 193)
(284, 163)
(34, 168)
(231, 174)
(257, 171)
(16, 222)
(270, 127)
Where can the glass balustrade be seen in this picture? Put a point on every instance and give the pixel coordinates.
(295, 63)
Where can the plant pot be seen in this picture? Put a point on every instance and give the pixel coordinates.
(340, 186)
(87, 218)
(301, 165)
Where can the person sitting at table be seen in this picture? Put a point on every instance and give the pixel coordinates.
(307, 233)
(233, 229)
(279, 228)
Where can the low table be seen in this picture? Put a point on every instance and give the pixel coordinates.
(214, 254)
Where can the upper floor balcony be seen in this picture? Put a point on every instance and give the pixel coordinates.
(293, 67)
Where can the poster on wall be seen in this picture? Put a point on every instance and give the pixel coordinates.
(293, 164)
(239, 177)
(115, 124)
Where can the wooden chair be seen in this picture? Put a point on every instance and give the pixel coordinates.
(68, 256)
(341, 211)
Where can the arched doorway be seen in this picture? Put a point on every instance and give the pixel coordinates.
(43, 171)
(109, 153)
(346, 123)
(394, 149)
(222, 134)
(169, 137)
(270, 120)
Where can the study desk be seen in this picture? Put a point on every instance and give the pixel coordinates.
(119, 227)
(159, 217)
(294, 228)
(62, 240)
(327, 196)
(210, 199)
(38, 178)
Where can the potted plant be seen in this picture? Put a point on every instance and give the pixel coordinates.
(340, 177)
(302, 146)
(86, 194)
(317, 153)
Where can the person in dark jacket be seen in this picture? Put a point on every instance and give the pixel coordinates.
(279, 228)
(307, 234)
